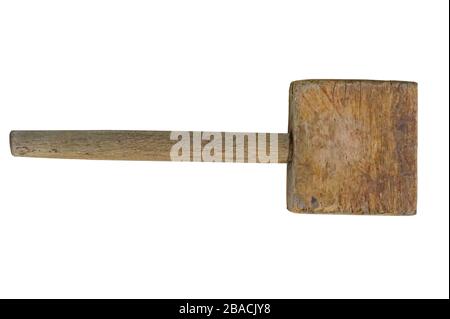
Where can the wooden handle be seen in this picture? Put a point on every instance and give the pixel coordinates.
(152, 146)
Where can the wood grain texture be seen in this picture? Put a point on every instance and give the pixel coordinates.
(139, 145)
(354, 145)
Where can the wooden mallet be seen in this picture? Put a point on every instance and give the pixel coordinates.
(351, 146)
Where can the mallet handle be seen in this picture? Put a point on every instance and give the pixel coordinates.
(150, 145)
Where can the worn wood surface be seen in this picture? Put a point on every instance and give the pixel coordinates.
(353, 147)
(148, 145)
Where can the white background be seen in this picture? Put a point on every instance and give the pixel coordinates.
(71, 228)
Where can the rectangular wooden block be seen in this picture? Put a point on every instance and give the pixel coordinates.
(353, 147)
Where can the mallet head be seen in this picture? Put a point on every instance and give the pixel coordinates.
(352, 147)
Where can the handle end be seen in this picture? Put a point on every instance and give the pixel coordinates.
(16, 146)
(11, 143)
